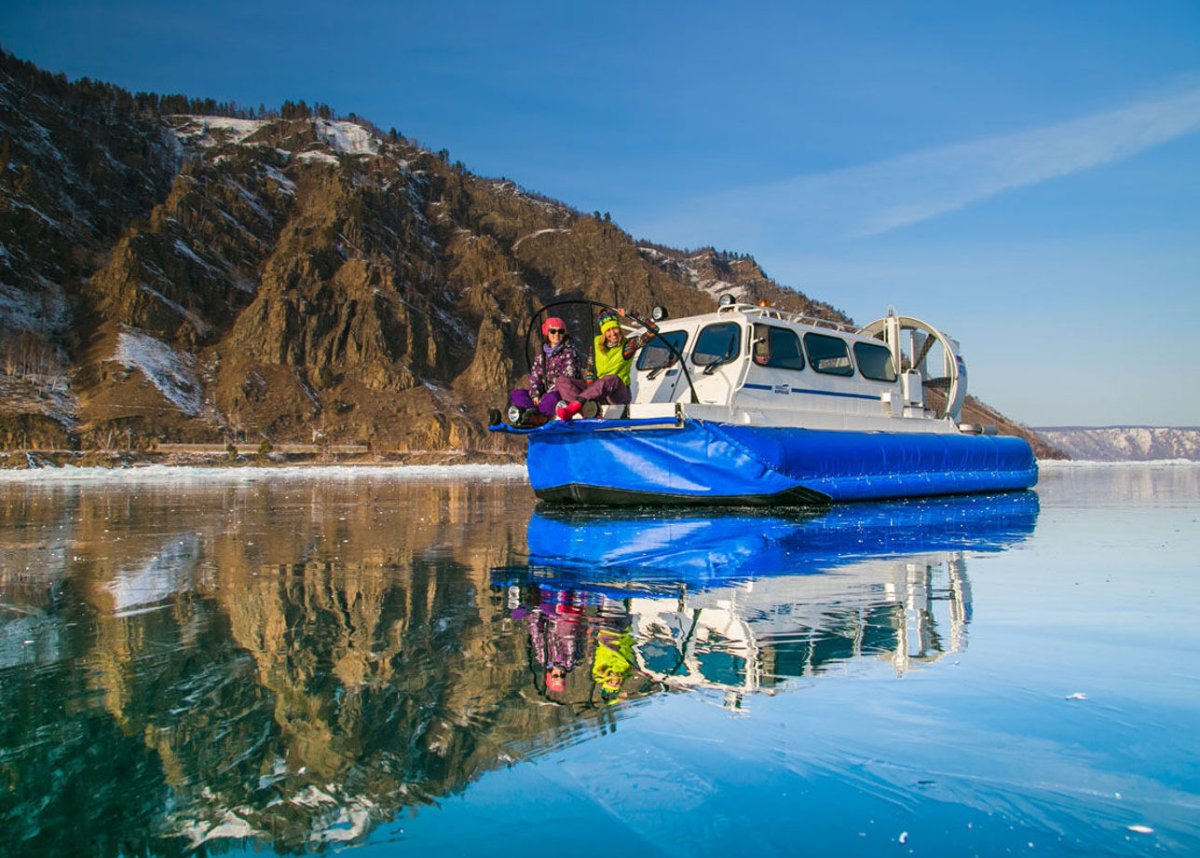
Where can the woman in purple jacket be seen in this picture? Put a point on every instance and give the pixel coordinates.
(557, 358)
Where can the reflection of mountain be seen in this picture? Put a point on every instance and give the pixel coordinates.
(295, 662)
(741, 602)
(291, 663)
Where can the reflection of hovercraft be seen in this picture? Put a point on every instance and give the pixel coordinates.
(740, 603)
(718, 549)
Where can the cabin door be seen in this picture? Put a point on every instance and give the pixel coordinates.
(716, 362)
(659, 376)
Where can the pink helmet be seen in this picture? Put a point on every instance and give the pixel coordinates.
(553, 322)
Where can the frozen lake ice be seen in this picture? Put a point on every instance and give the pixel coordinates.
(422, 660)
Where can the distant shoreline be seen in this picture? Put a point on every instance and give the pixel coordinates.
(210, 457)
(1062, 464)
(489, 470)
(70, 473)
(1112, 426)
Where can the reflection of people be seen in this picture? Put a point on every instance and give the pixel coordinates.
(607, 377)
(555, 635)
(613, 658)
(570, 628)
(612, 663)
(557, 359)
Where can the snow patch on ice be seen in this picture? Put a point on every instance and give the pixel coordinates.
(167, 573)
(174, 374)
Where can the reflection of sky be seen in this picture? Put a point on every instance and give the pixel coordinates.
(841, 772)
(1066, 727)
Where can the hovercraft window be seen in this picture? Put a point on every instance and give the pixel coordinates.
(777, 347)
(658, 354)
(828, 354)
(874, 362)
(717, 344)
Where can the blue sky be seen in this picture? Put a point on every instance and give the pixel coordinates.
(1025, 175)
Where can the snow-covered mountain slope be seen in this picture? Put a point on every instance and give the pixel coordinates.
(1124, 443)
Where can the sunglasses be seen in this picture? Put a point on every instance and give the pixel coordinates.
(556, 330)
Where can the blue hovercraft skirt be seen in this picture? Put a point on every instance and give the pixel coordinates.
(701, 462)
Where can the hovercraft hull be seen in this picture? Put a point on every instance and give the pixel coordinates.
(707, 463)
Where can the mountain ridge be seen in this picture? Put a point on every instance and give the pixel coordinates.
(1125, 443)
(297, 277)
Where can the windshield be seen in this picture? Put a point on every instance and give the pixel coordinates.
(657, 353)
(717, 344)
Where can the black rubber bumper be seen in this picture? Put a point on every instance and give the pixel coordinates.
(578, 494)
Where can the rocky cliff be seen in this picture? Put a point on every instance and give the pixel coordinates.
(178, 277)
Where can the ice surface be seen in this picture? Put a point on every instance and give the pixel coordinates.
(177, 473)
(332, 650)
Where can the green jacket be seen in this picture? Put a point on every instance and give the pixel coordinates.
(612, 361)
(618, 360)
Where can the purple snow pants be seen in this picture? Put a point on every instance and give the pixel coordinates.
(521, 398)
(606, 390)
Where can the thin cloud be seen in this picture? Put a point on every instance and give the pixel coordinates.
(876, 198)
(942, 180)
